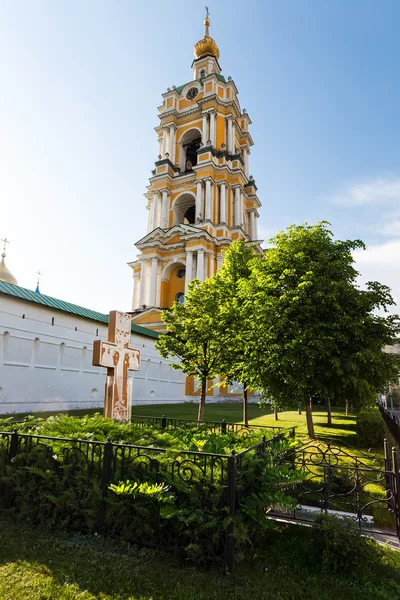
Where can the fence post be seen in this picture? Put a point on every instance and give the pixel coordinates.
(104, 483)
(388, 468)
(230, 542)
(223, 426)
(396, 489)
(163, 422)
(13, 445)
(264, 444)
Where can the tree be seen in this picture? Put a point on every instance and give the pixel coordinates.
(234, 321)
(312, 329)
(194, 335)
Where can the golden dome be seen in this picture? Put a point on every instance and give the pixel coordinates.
(207, 45)
(5, 274)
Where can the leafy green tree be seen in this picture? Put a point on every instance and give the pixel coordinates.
(195, 335)
(313, 330)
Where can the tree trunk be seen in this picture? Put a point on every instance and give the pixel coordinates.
(202, 400)
(299, 407)
(245, 408)
(347, 407)
(310, 424)
(329, 408)
(275, 412)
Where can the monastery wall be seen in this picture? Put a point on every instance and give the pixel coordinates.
(46, 362)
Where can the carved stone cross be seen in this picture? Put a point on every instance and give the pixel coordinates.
(119, 359)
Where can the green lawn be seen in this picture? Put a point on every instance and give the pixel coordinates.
(343, 426)
(40, 565)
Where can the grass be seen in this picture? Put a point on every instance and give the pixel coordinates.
(39, 565)
(342, 427)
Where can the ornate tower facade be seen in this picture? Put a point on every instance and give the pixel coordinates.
(201, 196)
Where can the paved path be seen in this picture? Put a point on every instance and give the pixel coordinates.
(379, 535)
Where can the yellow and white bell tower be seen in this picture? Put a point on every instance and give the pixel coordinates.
(200, 196)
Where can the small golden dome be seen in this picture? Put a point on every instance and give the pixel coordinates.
(207, 45)
(5, 274)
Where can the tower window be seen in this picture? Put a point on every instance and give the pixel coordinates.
(202, 73)
(181, 273)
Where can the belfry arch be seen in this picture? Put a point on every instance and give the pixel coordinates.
(188, 145)
(184, 209)
(172, 283)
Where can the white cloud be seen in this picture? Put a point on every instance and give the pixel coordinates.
(381, 263)
(381, 190)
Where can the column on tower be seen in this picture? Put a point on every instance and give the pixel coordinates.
(255, 236)
(220, 260)
(189, 269)
(211, 258)
(222, 204)
(165, 146)
(160, 147)
(164, 210)
(199, 202)
(153, 281)
(241, 223)
(200, 265)
(150, 221)
(212, 127)
(136, 290)
(208, 208)
(156, 210)
(246, 161)
(237, 206)
(172, 144)
(143, 275)
(230, 134)
(252, 225)
(205, 128)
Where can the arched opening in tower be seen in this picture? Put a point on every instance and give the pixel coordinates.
(185, 210)
(189, 143)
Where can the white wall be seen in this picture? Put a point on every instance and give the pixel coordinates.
(49, 367)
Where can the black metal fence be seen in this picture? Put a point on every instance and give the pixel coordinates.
(68, 481)
(219, 427)
(347, 484)
(392, 421)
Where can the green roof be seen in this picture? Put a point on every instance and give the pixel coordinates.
(179, 88)
(23, 294)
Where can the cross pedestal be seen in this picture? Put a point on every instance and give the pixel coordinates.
(119, 358)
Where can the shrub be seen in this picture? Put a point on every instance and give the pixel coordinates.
(370, 428)
(341, 549)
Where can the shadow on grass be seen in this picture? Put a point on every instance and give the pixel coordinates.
(49, 566)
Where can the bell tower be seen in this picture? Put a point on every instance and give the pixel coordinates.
(201, 196)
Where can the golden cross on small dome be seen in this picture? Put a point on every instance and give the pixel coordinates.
(6, 241)
(39, 274)
(207, 22)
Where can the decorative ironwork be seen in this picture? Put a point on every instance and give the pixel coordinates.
(348, 484)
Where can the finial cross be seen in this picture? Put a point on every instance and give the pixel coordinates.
(207, 12)
(6, 241)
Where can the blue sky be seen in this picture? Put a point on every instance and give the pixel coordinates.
(80, 83)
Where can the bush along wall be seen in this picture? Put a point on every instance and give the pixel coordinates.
(206, 505)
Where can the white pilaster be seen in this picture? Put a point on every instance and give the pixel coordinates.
(200, 265)
(208, 211)
(156, 210)
(153, 282)
(150, 226)
(205, 128)
(136, 291)
(255, 228)
(189, 269)
(222, 204)
(143, 282)
(211, 258)
(199, 202)
(220, 260)
(160, 146)
(241, 209)
(172, 132)
(246, 161)
(164, 142)
(237, 207)
(212, 127)
(230, 134)
(252, 225)
(164, 210)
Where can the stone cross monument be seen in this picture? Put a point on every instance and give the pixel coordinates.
(119, 359)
